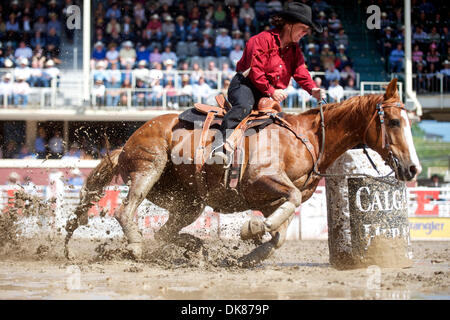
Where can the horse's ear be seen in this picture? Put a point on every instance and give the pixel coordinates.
(391, 90)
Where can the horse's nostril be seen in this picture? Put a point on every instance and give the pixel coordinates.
(413, 170)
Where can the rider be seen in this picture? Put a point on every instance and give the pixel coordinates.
(269, 61)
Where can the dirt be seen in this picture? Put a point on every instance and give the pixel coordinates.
(36, 269)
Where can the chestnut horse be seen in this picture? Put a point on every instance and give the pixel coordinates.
(276, 177)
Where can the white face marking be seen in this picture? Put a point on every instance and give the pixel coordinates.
(409, 139)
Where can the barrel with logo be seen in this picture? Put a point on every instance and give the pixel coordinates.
(367, 218)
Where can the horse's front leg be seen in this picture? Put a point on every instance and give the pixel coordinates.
(283, 191)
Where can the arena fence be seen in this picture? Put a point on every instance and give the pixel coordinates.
(428, 211)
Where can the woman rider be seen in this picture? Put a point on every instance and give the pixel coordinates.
(269, 61)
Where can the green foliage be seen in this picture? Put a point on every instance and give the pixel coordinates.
(430, 153)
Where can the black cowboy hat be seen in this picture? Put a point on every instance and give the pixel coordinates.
(299, 12)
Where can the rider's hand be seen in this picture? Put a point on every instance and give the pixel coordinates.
(279, 95)
(318, 93)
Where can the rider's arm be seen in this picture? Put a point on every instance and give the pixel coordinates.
(301, 73)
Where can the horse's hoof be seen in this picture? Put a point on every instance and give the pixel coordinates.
(135, 250)
(253, 229)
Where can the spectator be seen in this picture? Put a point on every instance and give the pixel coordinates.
(25, 153)
(113, 12)
(98, 92)
(35, 79)
(142, 72)
(327, 56)
(40, 144)
(332, 74)
(194, 32)
(186, 91)
(73, 153)
(155, 73)
(112, 55)
(227, 73)
(348, 72)
(168, 25)
(50, 73)
(127, 53)
(207, 45)
(22, 70)
(23, 51)
(197, 72)
(100, 71)
(21, 90)
(349, 84)
(236, 54)
(387, 41)
(13, 179)
(40, 26)
(261, 10)
(142, 54)
(180, 28)
(274, 6)
(156, 93)
(342, 59)
(211, 74)
(292, 94)
(168, 54)
(396, 58)
(237, 39)
(56, 145)
(433, 56)
(76, 178)
(202, 91)
(126, 86)
(246, 10)
(99, 52)
(112, 26)
(435, 181)
(223, 43)
(53, 45)
(112, 90)
(334, 24)
(220, 16)
(341, 38)
(6, 90)
(38, 39)
(155, 56)
(54, 23)
(140, 95)
(417, 54)
(155, 25)
(335, 91)
(312, 57)
(171, 94)
(248, 25)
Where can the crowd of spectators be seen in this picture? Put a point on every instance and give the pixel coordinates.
(188, 50)
(30, 43)
(430, 42)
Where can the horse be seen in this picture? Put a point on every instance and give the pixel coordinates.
(274, 181)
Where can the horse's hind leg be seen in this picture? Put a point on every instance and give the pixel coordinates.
(141, 184)
(182, 213)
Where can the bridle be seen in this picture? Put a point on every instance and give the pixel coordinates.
(385, 141)
(393, 161)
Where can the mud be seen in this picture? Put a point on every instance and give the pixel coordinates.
(36, 269)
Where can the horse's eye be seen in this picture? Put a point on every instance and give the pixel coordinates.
(394, 123)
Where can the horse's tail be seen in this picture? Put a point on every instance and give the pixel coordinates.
(93, 189)
(100, 177)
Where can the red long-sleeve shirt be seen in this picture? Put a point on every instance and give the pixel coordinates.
(272, 66)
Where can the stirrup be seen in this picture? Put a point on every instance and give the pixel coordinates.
(221, 154)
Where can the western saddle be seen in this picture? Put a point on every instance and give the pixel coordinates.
(268, 109)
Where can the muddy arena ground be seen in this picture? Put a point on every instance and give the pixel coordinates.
(37, 269)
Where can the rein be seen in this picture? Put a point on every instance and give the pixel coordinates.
(394, 162)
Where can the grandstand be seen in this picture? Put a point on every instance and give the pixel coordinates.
(151, 57)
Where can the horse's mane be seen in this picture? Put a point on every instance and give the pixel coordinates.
(352, 107)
